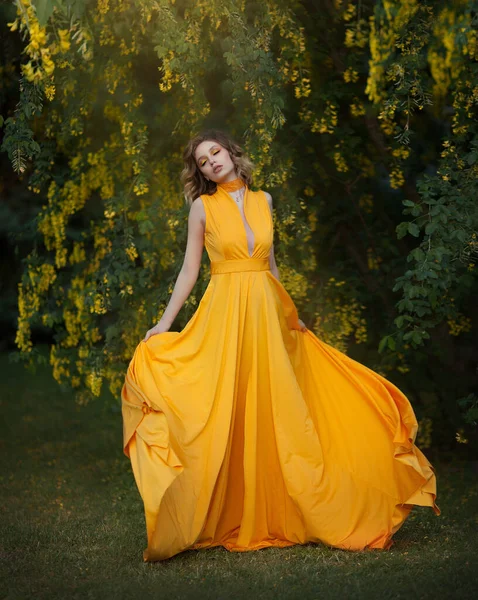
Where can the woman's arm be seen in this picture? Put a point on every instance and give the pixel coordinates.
(189, 271)
(272, 258)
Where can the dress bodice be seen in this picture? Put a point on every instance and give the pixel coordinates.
(226, 235)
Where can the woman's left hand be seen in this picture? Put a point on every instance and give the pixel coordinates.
(302, 325)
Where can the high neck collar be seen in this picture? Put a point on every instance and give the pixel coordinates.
(232, 186)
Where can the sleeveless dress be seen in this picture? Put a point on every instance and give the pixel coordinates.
(245, 431)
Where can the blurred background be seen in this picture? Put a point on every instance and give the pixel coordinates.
(360, 118)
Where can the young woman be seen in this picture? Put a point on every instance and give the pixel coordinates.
(244, 429)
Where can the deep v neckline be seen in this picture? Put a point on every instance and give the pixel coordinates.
(245, 220)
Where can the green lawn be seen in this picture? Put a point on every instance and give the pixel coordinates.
(72, 523)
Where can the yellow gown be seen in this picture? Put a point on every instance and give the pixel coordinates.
(244, 431)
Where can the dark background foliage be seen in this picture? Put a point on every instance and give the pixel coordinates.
(361, 120)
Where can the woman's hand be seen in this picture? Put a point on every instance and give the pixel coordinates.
(298, 324)
(158, 328)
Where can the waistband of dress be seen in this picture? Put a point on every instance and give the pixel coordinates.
(239, 264)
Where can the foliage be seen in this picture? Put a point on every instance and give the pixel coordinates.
(356, 113)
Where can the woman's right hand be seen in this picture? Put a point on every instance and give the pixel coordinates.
(158, 328)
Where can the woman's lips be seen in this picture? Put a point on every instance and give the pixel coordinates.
(217, 169)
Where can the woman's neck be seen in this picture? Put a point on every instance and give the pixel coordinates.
(232, 186)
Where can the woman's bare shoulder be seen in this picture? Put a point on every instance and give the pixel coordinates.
(268, 197)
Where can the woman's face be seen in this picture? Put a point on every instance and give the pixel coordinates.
(214, 161)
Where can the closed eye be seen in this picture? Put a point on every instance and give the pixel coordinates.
(202, 163)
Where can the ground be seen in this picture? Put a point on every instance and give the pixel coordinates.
(72, 524)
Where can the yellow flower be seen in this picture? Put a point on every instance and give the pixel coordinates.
(28, 71)
(37, 37)
(140, 189)
(396, 178)
(357, 109)
(401, 152)
(50, 92)
(132, 252)
(340, 163)
(350, 75)
(94, 381)
(308, 191)
(48, 66)
(64, 39)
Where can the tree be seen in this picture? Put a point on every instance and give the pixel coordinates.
(355, 114)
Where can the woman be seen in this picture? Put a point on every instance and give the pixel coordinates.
(244, 429)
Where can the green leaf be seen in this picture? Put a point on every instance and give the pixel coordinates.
(160, 51)
(416, 210)
(401, 229)
(382, 344)
(44, 10)
(418, 254)
(472, 158)
(413, 229)
(416, 337)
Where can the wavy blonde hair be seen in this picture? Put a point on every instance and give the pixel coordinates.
(193, 180)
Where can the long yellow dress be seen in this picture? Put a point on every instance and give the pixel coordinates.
(245, 431)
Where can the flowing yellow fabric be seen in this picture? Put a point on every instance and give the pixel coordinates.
(246, 432)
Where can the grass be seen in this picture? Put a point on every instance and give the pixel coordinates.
(72, 523)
